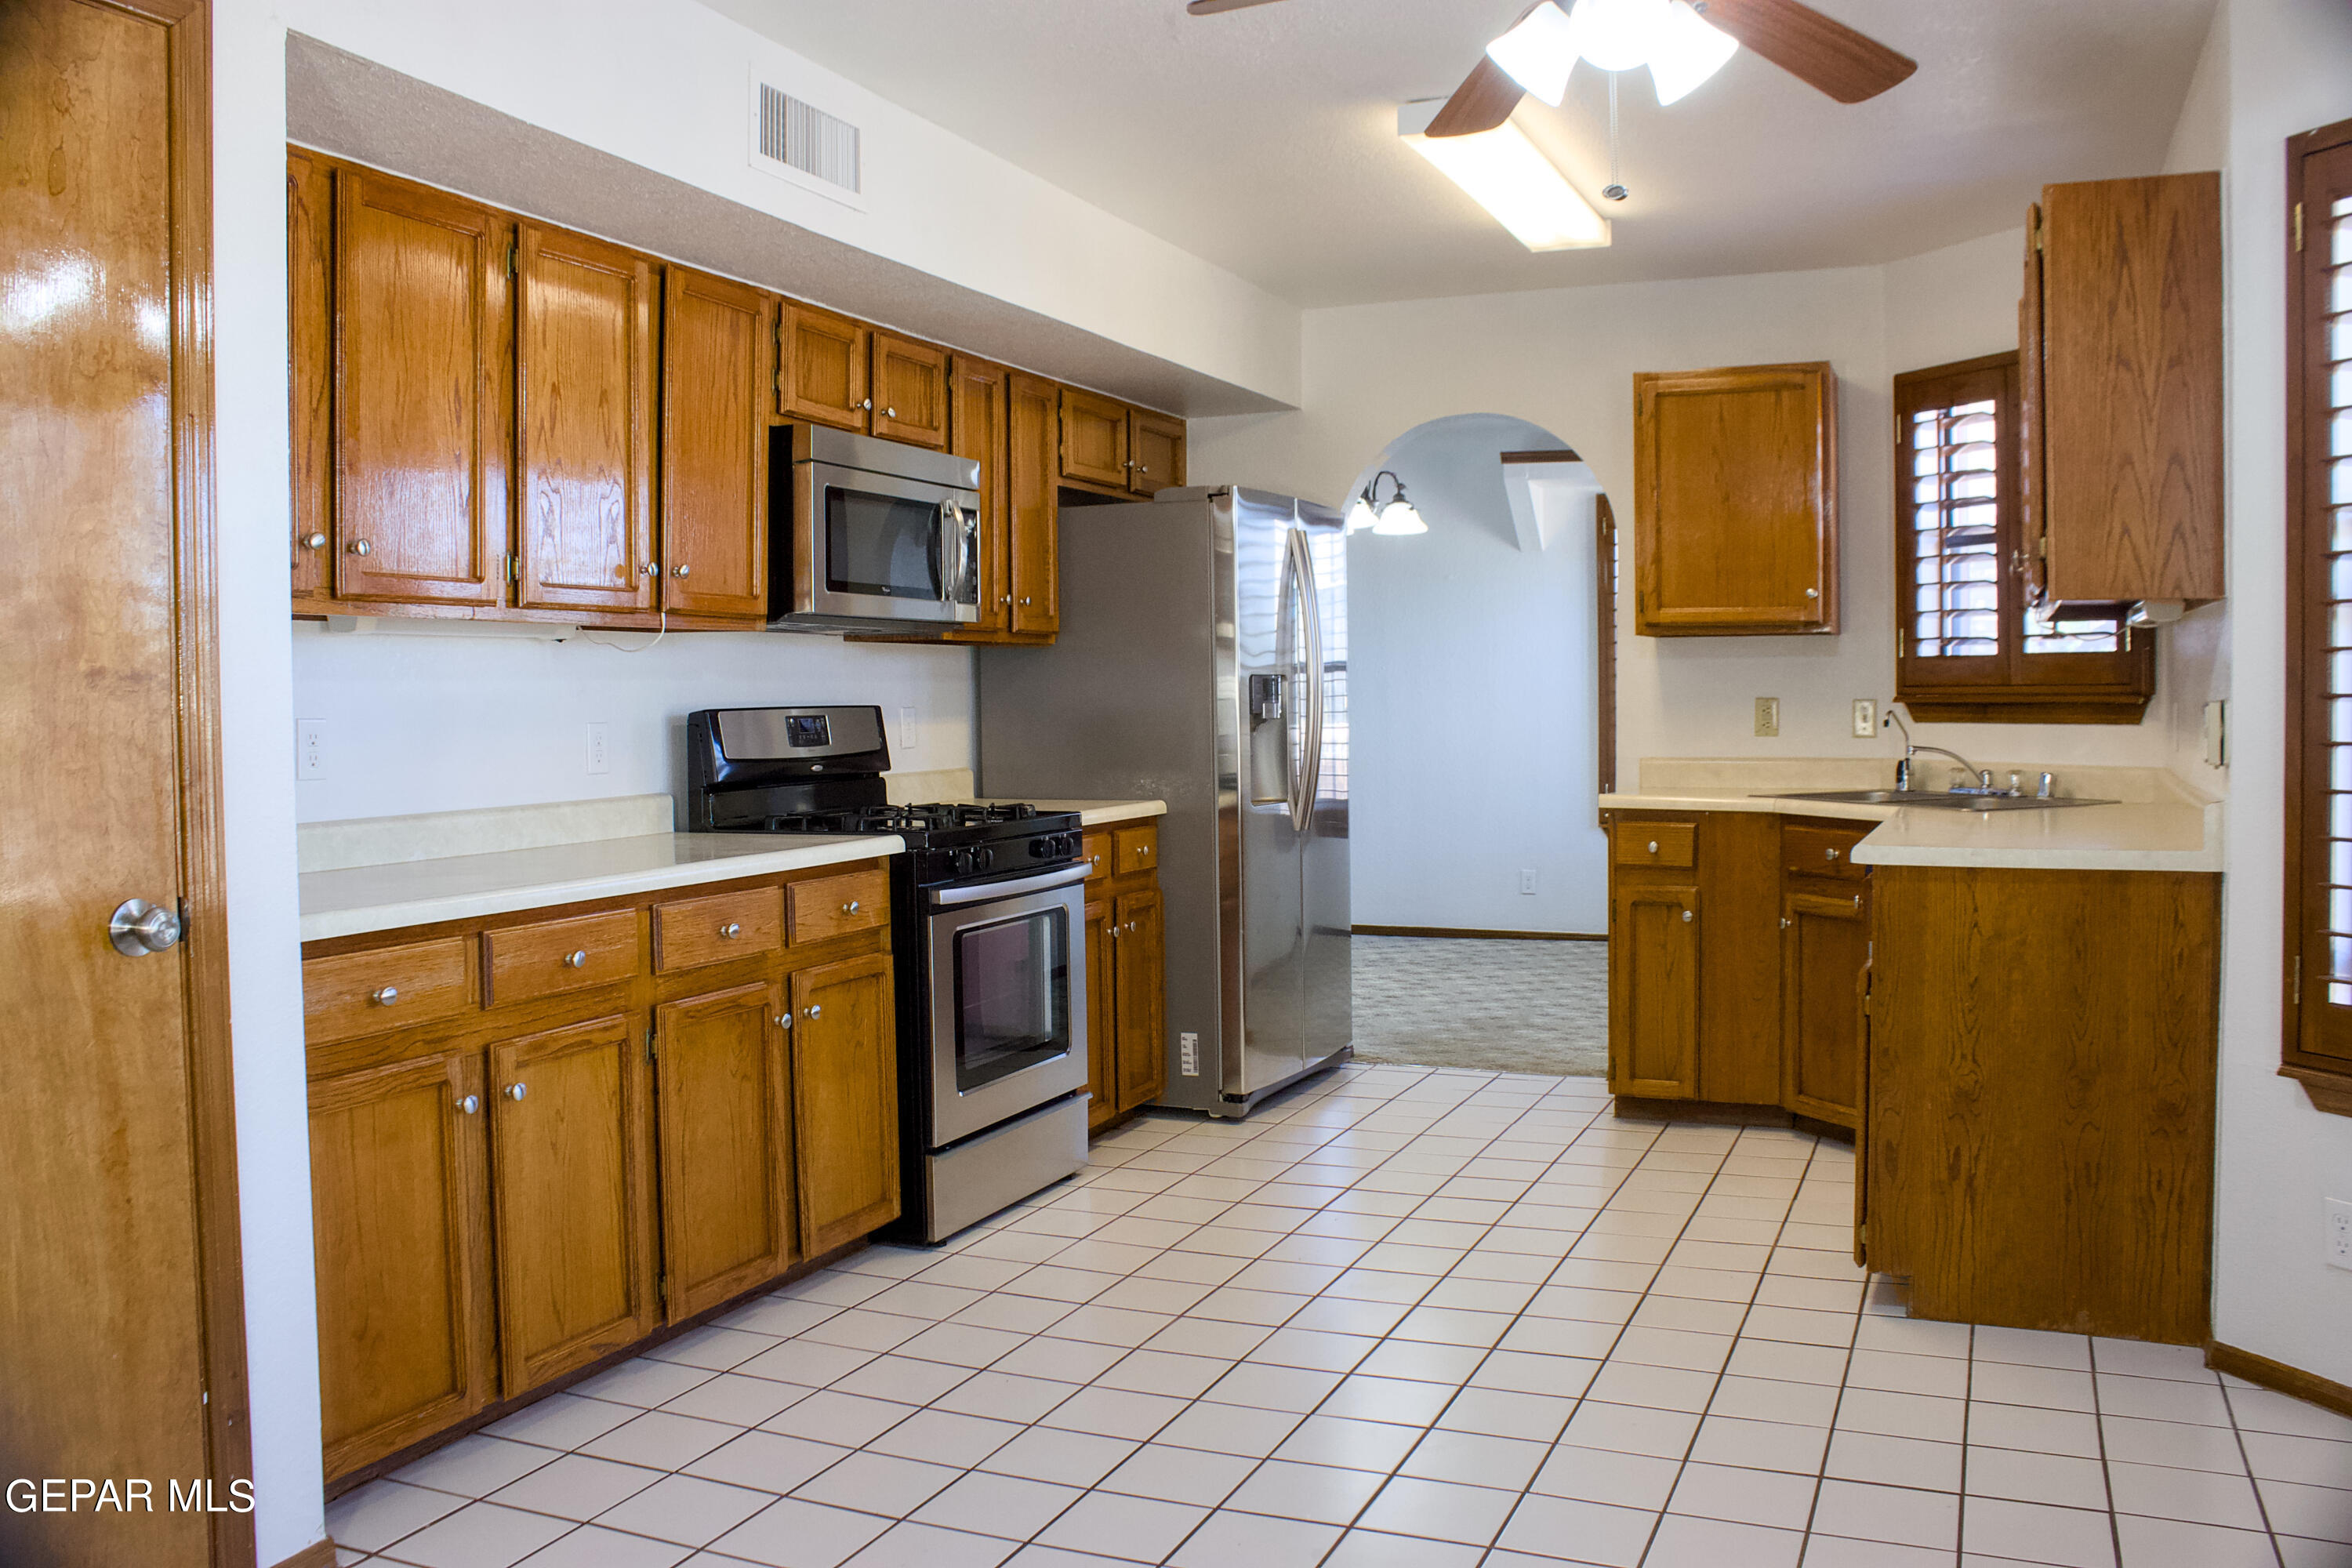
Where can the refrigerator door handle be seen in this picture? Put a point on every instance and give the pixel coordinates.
(1311, 674)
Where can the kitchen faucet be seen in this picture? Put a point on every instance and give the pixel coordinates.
(1912, 748)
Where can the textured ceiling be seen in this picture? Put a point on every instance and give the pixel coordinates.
(1265, 140)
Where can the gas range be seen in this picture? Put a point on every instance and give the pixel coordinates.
(948, 841)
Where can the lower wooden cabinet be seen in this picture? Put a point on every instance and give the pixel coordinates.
(1127, 973)
(1825, 946)
(1654, 991)
(846, 1100)
(724, 1078)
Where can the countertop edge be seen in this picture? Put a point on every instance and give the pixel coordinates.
(1124, 811)
(2207, 858)
(367, 920)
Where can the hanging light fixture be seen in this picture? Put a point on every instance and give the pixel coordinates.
(1396, 516)
(1678, 44)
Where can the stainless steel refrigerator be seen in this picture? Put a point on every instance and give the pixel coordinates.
(1202, 660)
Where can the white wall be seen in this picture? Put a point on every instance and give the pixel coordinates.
(2285, 66)
(1461, 643)
(438, 723)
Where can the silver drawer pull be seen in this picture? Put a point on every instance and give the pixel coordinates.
(516, 1090)
(1654, 847)
(850, 907)
(1688, 917)
(1830, 853)
(1857, 900)
(384, 996)
(469, 1106)
(784, 1020)
(576, 959)
(729, 932)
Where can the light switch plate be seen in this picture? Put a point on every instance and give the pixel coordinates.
(1527, 881)
(309, 748)
(906, 729)
(2339, 1233)
(1767, 715)
(600, 753)
(1865, 718)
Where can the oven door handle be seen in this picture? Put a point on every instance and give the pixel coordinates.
(948, 897)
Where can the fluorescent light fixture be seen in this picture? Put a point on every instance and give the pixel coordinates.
(1505, 172)
(1539, 53)
(1399, 516)
(1685, 51)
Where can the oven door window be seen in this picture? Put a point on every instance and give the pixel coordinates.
(1012, 995)
(882, 545)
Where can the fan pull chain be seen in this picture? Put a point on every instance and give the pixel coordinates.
(1615, 189)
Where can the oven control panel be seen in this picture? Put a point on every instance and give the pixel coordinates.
(985, 859)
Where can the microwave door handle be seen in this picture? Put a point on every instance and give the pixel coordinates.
(968, 583)
(943, 543)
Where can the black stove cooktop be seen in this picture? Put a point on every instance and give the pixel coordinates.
(942, 822)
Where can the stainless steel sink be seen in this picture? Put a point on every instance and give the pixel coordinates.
(1943, 799)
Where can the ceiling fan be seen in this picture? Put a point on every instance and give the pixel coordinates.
(1536, 54)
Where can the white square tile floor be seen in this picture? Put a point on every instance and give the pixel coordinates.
(1401, 1318)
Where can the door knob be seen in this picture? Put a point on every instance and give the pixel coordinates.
(516, 1090)
(730, 931)
(137, 928)
(471, 1105)
(315, 540)
(576, 959)
(359, 547)
(814, 1010)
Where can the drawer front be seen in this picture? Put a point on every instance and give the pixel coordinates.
(1657, 844)
(1813, 850)
(691, 932)
(522, 963)
(826, 907)
(1097, 855)
(1137, 848)
(388, 989)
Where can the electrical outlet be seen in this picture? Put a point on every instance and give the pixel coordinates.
(906, 729)
(309, 748)
(1767, 715)
(1865, 718)
(600, 758)
(2339, 1233)
(1188, 1055)
(1527, 881)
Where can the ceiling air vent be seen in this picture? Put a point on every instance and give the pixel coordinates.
(806, 145)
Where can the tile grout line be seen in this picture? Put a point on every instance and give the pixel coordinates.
(2237, 1436)
(1860, 1310)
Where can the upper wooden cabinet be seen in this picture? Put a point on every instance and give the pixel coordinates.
(422, 390)
(309, 367)
(2121, 330)
(976, 429)
(584, 423)
(714, 444)
(1735, 501)
(1032, 506)
(1093, 439)
(1156, 444)
(910, 391)
(822, 367)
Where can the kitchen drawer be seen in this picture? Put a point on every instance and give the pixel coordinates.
(1097, 855)
(826, 907)
(386, 988)
(523, 963)
(1657, 844)
(1819, 850)
(691, 932)
(1136, 849)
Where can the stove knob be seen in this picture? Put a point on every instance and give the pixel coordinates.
(988, 859)
(961, 861)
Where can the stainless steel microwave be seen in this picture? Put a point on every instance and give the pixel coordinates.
(869, 535)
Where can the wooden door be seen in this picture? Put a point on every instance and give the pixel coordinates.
(717, 337)
(724, 1082)
(1093, 439)
(1654, 992)
(572, 1150)
(583, 423)
(910, 391)
(1156, 443)
(1102, 1013)
(423, 387)
(400, 1239)
(1032, 506)
(1142, 998)
(116, 1076)
(844, 1100)
(976, 428)
(822, 368)
(1735, 492)
(310, 366)
(1824, 943)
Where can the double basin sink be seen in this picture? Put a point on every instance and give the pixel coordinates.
(1946, 799)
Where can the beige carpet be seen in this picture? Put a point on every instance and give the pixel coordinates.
(1506, 1007)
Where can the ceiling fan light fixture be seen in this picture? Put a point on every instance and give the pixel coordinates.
(1685, 51)
(1617, 34)
(1539, 52)
(1509, 176)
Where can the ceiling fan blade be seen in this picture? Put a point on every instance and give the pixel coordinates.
(1484, 101)
(1211, 7)
(1831, 56)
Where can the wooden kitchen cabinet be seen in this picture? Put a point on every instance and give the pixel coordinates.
(723, 1073)
(311, 369)
(977, 429)
(846, 1096)
(1127, 973)
(400, 1231)
(1735, 501)
(1824, 949)
(1653, 990)
(584, 423)
(422, 393)
(1156, 442)
(1102, 1017)
(571, 1150)
(1139, 995)
(1032, 505)
(824, 362)
(910, 391)
(2121, 359)
(716, 342)
(1094, 449)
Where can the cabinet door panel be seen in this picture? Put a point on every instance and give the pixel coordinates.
(421, 397)
(1825, 941)
(584, 391)
(573, 1197)
(1156, 443)
(846, 1100)
(1032, 475)
(977, 430)
(1654, 992)
(1102, 1017)
(822, 374)
(397, 1213)
(1093, 439)
(1142, 998)
(726, 1144)
(910, 391)
(717, 338)
(310, 364)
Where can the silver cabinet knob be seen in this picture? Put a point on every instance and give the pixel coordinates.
(1654, 847)
(680, 570)
(516, 1090)
(1130, 927)
(784, 1020)
(889, 413)
(1686, 917)
(814, 1010)
(1857, 900)
(576, 959)
(359, 547)
(850, 907)
(866, 402)
(469, 1106)
(1786, 922)
(1112, 931)
(1024, 598)
(650, 569)
(384, 996)
(1142, 468)
(1006, 600)
(1812, 592)
(729, 932)
(137, 928)
(1830, 853)
(314, 540)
